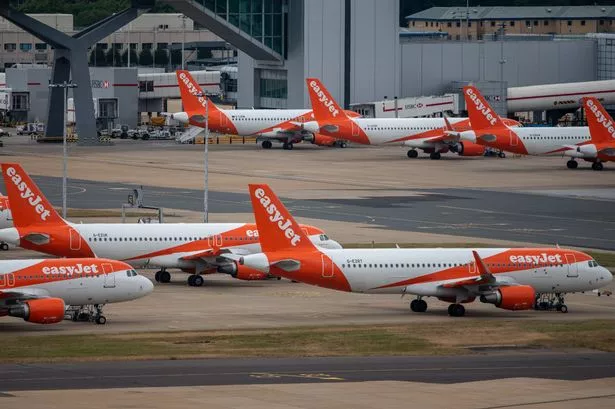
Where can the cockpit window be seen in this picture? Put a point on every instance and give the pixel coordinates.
(592, 263)
(131, 273)
(324, 237)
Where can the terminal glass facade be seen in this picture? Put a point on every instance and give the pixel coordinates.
(261, 19)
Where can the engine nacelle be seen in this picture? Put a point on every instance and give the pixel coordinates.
(323, 140)
(41, 311)
(583, 151)
(520, 297)
(242, 272)
(470, 149)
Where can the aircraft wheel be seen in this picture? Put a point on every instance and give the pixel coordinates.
(266, 144)
(165, 277)
(456, 310)
(413, 305)
(343, 145)
(101, 320)
(422, 305)
(4, 247)
(572, 164)
(198, 281)
(412, 153)
(563, 308)
(435, 155)
(597, 166)
(288, 146)
(157, 276)
(501, 155)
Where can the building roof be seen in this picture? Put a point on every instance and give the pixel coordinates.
(515, 13)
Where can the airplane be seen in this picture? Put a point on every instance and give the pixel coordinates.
(40, 291)
(601, 146)
(509, 278)
(426, 134)
(282, 125)
(6, 220)
(194, 248)
(489, 130)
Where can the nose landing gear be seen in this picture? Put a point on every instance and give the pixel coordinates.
(418, 305)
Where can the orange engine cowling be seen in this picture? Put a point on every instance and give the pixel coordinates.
(241, 272)
(470, 149)
(323, 140)
(41, 311)
(520, 297)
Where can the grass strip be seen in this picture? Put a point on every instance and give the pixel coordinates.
(417, 339)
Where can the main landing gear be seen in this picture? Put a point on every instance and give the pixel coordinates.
(4, 246)
(418, 305)
(266, 144)
(87, 313)
(435, 155)
(572, 164)
(195, 280)
(456, 310)
(597, 166)
(412, 153)
(550, 302)
(162, 276)
(288, 146)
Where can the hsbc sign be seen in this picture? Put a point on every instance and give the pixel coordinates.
(100, 84)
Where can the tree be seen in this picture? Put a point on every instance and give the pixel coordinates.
(98, 57)
(134, 58)
(161, 57)
(113, 58)
(146, 58)
(176, 57)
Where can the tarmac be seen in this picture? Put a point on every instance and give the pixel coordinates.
(356, 194)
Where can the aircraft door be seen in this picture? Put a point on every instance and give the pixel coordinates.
(573, 268)
(109, 277)
(355, 129)
(75, 240)
(327, 266)
(513, 138)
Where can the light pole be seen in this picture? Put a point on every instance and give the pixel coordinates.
(502, 62)
(65, 85)
(206, 159)
(183, 17)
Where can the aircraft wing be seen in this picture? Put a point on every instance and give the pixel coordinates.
(484, 277)
(212, 255)
(22, 294)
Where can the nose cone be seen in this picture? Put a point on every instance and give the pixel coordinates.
(607, 276)
(334, 245)
(145, 286)
(10, 235)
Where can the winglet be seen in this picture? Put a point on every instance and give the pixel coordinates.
(193, 97)
(277, 229)
(480, 265)
(28, 204)
(323, 104)
(481, 114)
(601, 125)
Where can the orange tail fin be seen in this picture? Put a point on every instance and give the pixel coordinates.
(323, 104)
(482, 116)
(193, 96)
(601, 125)
(277, 229)
(28, 204)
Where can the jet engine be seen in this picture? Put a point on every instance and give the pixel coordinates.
(322, 140)
(242, 272)
(583, 151)
(469, 149)
(41, 311)
(520, 297)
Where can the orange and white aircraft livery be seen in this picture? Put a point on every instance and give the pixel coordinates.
(509, 278)
(194, 247)
(601, 147)
(489, 130)
(6, 219)
(40, 291)
(283, 125)
(426, 134)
